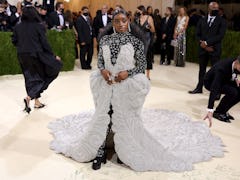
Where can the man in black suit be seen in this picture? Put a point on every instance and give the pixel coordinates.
(49, 4)
(11, 14)
(85, 38)
(222, 79)
(166, 34)
(56, 18)
(101, 20)
(210, 32)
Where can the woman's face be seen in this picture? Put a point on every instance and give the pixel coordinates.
(138, 11)
(181, 11)
(120, 23)
(150, 10)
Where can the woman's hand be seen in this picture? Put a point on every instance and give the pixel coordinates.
(237, 82)
(106, 75)
(121, 76)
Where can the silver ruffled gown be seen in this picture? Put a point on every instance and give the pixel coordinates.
(156, 140)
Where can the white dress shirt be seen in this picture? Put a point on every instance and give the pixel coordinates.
(211, 20)
(61, 19)
(104, 19)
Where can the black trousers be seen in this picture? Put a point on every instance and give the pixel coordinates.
(166, 49)
(231, 98)
(86, 53)
(35, 75)
(203, 62)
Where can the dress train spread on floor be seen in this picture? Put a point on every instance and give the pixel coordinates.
(157, 140)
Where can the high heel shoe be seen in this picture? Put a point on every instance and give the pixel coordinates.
(27, 108)
(39, 106)
(99, 160)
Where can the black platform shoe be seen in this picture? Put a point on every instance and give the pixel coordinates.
(27, 108)
(97, 162)
(230, 116)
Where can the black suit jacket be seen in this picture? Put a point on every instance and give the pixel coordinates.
(167, 28)
(53, 19)
(13, 18)
(212, 35)
(84, 31)
(98, 23)
(218, 76)
(30, 37)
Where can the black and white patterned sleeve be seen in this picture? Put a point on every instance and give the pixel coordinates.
(141, 62)
(101, 65)
(100, 59)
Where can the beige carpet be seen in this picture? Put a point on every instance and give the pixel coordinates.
(24, 139)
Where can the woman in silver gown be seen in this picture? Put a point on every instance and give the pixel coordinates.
(155, 140)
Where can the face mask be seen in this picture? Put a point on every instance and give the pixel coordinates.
(138, 14)
(214, 12)
(85, 14)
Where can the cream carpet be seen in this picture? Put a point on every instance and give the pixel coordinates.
(24, 139)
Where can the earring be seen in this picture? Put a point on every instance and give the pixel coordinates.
(129, 28)
(114, 30)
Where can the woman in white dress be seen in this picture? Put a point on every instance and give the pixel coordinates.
(180, 37)
(156, 140)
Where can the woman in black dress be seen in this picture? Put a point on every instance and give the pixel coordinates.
(146, 23)
(38, 63)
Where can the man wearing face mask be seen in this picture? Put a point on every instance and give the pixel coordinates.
(85, 38)
(210, 33)
(56, 18)
(166, 34)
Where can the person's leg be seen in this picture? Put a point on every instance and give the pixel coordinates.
(148, 73)
(89, 55)
(163, 52)
(214, 60)
(230, 99)
(203, 62)
(101, 156)
(169, 50)
(76, 50)
(83, 51)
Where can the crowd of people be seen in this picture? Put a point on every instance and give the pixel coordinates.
(166, 35)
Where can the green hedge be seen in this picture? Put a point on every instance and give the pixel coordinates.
(230, 45)
(62, 43)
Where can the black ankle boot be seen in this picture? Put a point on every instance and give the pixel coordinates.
(99, 160)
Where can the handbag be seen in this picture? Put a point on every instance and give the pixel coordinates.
(174, 43)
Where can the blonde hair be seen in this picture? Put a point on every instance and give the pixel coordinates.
(185, 11)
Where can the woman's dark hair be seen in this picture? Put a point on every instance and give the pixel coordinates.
(156, 11)
(149, 8)
(170, 9)
(110, 10)
(30, 14)
(143, 9)
(135, 29)
(68, 16)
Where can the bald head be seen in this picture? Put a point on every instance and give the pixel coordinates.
(213, 8)
(104, 9)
